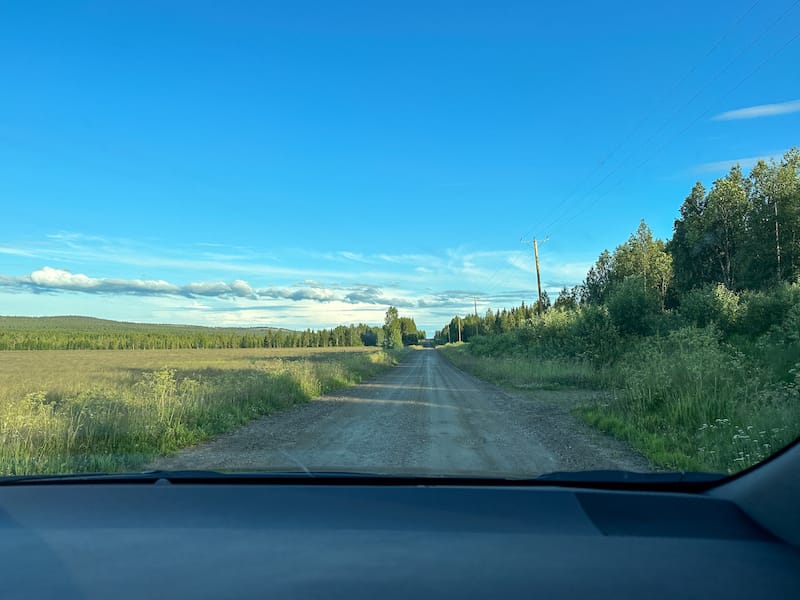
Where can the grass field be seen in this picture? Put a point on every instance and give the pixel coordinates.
(90, 411)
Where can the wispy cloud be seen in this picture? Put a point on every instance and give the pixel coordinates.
(762, 110)
(725, 165)
(15, 251)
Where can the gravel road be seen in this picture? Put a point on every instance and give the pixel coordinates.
(423, 416)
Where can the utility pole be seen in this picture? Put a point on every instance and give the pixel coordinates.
(777, 240)
(538, 278)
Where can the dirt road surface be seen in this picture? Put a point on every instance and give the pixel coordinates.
(422, 417)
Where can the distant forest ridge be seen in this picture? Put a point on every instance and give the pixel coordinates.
(95, 324)
(89, 333)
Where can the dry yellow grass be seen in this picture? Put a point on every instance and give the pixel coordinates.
(67, 411)
(74, 370)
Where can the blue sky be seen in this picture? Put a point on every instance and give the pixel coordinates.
(303, 164)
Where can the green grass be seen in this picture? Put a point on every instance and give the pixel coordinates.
(525, 372)
(688, 402)
(89, 411)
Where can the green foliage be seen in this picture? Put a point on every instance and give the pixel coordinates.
(644, 257)
(688, 248)
(598, 279)
(689, 401)
(711, 304)
(504, 321)
(724, 225)
(392, 332)
(408, 331)
(762, 310)
(567, 300)
(522, 371)
(369, 337)
(633, 305)
(596, 337)
(585, 334)
(745, 233)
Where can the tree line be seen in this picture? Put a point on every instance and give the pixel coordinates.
(85, 333)
(741, 237)
(125, 336)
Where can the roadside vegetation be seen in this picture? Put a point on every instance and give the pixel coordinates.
(111, 411)
(697, 339)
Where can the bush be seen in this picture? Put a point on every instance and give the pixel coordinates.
(711, 304)
(778, 350)
(762, 310)
(632, 306)
(596, 338)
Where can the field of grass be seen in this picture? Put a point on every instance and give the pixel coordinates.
(110, 411)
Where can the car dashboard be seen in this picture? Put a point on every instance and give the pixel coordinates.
(345, 538)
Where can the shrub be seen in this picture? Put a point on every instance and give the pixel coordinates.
(632, 305)
(596, 338)
(763, 310)
(711, 304)
(778, 350)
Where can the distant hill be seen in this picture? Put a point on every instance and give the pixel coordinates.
(74, 322)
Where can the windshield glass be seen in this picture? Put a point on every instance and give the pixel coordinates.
(428, 238)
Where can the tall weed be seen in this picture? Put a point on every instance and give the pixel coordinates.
(690, 401)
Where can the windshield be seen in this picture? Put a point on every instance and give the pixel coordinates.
(460, 239)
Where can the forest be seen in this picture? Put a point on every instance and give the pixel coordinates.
(87, 333)
(697, 337)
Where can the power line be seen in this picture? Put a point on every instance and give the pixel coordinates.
(687, 127)
(570, 214)
(648, 112)
(573, 215)
(686, 104)
(517, 254)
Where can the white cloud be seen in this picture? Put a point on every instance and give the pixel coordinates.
(762, 110)
(318, 294)
(50, 279)
(241, 288)
(58, 278)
